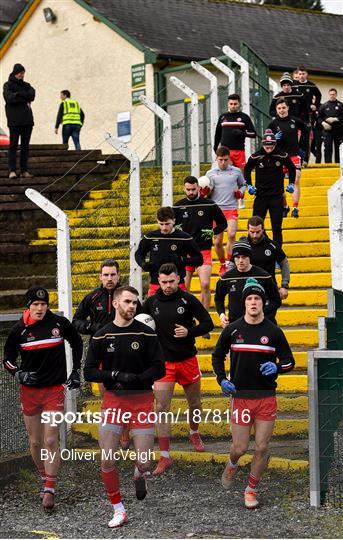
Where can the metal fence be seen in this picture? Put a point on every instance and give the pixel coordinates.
(325, 373)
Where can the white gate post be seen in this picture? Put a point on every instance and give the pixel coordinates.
(231, 79)
(335, 207)
(64, 285)
(167, 162)
(134, 208)
(274, 86)
(194, 114)
(245, 86)
(213, 96)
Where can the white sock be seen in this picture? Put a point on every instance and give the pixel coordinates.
(192, 431)
(233, 465)
(164, 453)
(137, 473)
(118, 506)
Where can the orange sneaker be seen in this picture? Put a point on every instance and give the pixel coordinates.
(163, 465)
(250, 499)
(228, 476)
(196, 442)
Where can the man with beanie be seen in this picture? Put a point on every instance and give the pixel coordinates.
(254, 344)
(18, 96)
(270, 164)
(231, 284)
(294, 98)
(39, 339)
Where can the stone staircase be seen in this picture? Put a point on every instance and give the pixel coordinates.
(62, 174)
(306, 243)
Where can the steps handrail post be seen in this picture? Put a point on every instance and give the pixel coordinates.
(167, 161)
(231, 78)
(64, 283)
(134, 207)
(245, 90)
(335, 211)
(213, 98)
(194, 114)
(274, 86)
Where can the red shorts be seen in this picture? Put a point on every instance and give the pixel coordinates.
(238, 158)
(231, 214)
(184, 373)
(138, 407)
(296, 160)
(207, 256)
(245, 411)
(36, 400)
(154, 286)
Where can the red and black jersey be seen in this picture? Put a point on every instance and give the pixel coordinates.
(250, 346)
(232, 129)
(290, 128)
(296, 103)
(196, 218)
(41, 347)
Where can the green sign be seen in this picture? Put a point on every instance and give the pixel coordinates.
(137, 75)
(136, 94)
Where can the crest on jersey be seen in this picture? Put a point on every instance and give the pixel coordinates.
(268, 252)
(264, 340)
(173, 247)
(200, 213)
(239, 119)
(155, 247)
(99, 307)
(55, 332)
(292, 126)
(180, 310)
(294, 100)
(239, 339)
(277, 163)
(232, 288)
(135, 345)
(185, 214)
(110, 348)
(156, 311)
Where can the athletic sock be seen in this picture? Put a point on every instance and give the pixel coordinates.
(222, 260)
(232, 464)
(50, 483)
(164, 444)
(118, 506)
(110, 478)
(295, 205)
(193, 431)
(253, 482)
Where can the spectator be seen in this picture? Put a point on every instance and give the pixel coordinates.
(330, 117)
(18, 96)
(72, 117)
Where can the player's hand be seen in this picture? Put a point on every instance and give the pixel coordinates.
(268, 368)
(73, 380)
(252, 190)
(283, 293)
(123, 377)
(29, 378)
(207, 234)
(326, 126)
(238, 194)
(180, 331)
(278, 135)
(205, 191)
(228, 387)
(224, 321)
(313, 107)
(331, 120)
(290, 188)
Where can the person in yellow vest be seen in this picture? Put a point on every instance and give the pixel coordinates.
(71, 116)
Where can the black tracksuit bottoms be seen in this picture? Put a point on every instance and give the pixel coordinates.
(274, 204)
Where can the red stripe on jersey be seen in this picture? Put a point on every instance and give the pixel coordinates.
(42, 344)
(226, 123)
(253, 348)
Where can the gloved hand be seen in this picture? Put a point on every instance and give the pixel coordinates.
(204, 191)
(29, 378)
(331, 120)
(252, 190)
(278, 135)
(207, 234)
(326, 126)
(268, 368)
(236, 132)
(73, 380)
(290, 188)
(228, 387)
(238, 194)
(123, 377)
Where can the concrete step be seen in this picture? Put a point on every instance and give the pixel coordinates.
(297, 265)
(289, 317)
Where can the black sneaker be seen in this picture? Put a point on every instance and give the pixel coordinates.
(295, 212)
(206, 336)
(285, 211)
(140, 487)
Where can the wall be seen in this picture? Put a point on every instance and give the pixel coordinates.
(82, 55)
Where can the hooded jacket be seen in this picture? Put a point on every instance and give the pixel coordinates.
(18, 96)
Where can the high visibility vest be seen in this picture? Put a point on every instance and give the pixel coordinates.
(71, 112)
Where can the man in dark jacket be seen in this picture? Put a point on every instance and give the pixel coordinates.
(18, 96)
(39, 338)
(330, 118)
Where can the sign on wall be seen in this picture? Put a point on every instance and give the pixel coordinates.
(138, 75)
(136, 95)
(124, 126)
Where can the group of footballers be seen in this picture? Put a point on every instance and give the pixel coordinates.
(137, 365)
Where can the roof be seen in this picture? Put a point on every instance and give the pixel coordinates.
(197, 29)
(10, 10)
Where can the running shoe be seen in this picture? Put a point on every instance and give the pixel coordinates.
(140, 487)
(197, 443)
(163, 465)
(228, 476)
(206, 336)
(250, 499)
(48, 500)
(119, 519)
(295, 212)
(285, 211)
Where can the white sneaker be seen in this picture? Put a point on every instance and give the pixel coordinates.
(119, 519)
